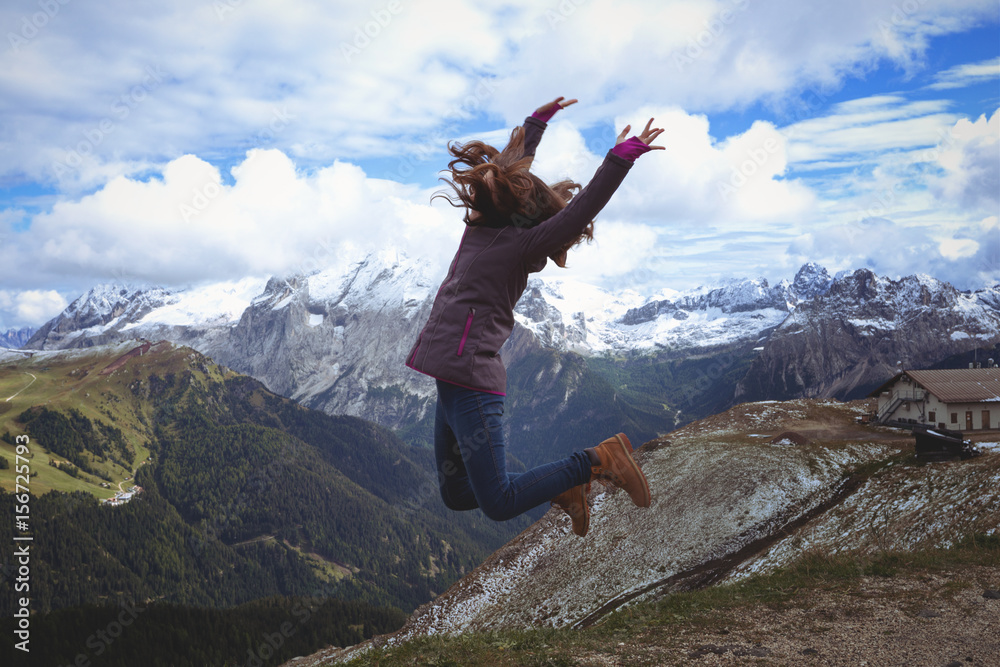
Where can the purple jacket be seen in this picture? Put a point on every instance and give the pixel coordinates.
(473, 312)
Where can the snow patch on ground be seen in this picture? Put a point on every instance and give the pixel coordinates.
(903, 507)
(47, 356)
(283, 302)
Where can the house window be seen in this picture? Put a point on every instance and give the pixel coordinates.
(954, 417)
(932, 416)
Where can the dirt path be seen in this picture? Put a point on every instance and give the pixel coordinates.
(259, 538)
(33, 378)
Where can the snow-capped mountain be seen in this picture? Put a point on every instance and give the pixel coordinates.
(811, 281)
(850, 337)
(336, 339)
(574, 316)
(108, 313)
(105, 308)
(589, 320)
(200, 317)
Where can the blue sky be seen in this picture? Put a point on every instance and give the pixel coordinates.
(203, 141)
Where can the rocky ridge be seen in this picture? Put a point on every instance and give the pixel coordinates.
(15, 338)
(729, 498)
(848, 340)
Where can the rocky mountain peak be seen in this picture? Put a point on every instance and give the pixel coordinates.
(844, 342)
(98, 310)
(863, 289)
(101, 304)
(277, 290)
(15, 338)
(336, 338)
(745, 295)
(810, 281)
(737, 296)
(860, 285)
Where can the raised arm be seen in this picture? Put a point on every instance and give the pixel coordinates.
(566, 226)
(535, 124)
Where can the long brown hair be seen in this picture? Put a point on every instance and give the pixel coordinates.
(497, 189)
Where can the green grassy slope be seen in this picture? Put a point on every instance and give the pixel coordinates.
(246, 494)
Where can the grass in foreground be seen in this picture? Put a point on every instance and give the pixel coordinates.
(676, 618)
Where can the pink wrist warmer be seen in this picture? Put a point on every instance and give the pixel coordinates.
(545, 117)
(630, 149)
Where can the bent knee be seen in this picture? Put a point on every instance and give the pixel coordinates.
(453, 504)
(499, 511)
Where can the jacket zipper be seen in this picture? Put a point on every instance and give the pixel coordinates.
(465, 334)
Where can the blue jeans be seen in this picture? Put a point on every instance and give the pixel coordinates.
(472, 464)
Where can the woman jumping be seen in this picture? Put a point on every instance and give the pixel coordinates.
(514, 223)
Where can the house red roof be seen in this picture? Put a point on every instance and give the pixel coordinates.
(960, 385)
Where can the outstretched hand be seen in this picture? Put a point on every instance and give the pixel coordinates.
(631, 148)
(548, 110)
(648, 135)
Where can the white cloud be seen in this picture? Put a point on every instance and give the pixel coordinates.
(723, 54)
(958, 248)
(965, 254)
(888, 157)
(696, 180)
(970, 158)
(868, 128)
(30, 308)
(699, 210)
(736, 183)
(117, 87)
(618, 249)
(128, 110)
(967, 74)
(700, 202)
(188, 226)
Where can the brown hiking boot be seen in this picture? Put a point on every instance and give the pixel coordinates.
(619, 468)
(574, 503)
